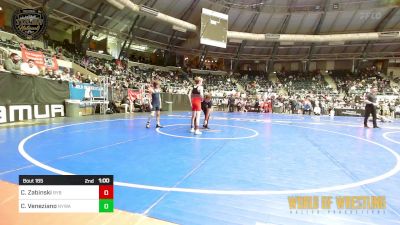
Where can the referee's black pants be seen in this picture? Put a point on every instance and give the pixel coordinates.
(370, 109)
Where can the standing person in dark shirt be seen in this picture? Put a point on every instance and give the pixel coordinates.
(231, 103)
(370, 106)
(206, 106)
(155, 91)
(257, 105)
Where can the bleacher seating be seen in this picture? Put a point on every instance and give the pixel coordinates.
(257, 87)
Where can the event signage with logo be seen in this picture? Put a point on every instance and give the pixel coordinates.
(79, 91)
(28, 112)
(29, 24)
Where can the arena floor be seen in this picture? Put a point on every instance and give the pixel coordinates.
(242, 171)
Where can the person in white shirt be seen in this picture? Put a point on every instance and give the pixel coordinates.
(77, 77)
(317, 109)
(29, 68)
(65, 76)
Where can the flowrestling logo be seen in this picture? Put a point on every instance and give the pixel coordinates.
(29, 24)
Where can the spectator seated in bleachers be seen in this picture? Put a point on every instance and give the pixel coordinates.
(13, 64)
(29, 68)
(250, 90)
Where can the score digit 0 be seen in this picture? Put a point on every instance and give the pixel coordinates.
(106, 192)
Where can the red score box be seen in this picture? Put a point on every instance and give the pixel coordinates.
(106, 191)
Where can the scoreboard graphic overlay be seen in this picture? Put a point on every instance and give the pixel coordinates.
(66, 193)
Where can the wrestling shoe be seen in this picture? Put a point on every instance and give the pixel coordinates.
(197, 132)
(159, 126)
(147, 125)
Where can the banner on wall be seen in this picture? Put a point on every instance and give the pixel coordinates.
(349, 112)
(79, 91)
(36, 56)
(25, 97)
(40, 59)
(134, 94)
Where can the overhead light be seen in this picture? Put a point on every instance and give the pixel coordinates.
(335, 6)
(272, 36)
(235, 41)
(116, 4)
(148, 10)
(390, 34)
(317, 7)
(140, 48)
(336, 43)
(1, 8)
(286, 43)
(180, 29)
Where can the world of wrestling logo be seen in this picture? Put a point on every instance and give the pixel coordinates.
(29, 24)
